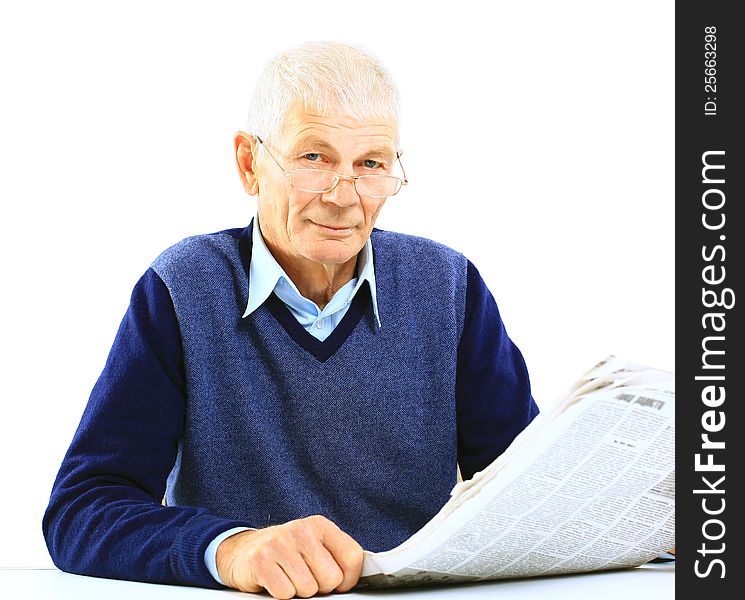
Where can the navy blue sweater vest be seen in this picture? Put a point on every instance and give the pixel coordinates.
(277, 429)
(252, 421)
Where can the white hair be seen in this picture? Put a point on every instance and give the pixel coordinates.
(329, 78)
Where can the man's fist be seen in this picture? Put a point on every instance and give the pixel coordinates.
(299, 558)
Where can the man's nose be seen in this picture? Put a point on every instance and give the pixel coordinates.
(344, 194)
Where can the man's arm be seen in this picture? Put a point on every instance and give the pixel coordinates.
(105, 516)
(493, 396)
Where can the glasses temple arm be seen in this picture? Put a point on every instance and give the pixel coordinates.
(398, 156)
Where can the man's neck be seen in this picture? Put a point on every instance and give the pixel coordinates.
(316, 281)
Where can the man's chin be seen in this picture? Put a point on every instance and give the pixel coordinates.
(331, 252)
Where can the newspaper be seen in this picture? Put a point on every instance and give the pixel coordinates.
(588, 485)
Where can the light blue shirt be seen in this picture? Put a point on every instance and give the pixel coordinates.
(267, 276)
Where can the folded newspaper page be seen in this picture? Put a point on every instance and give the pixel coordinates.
(588, 485)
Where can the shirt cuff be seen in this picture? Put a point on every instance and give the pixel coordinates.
(210, 554)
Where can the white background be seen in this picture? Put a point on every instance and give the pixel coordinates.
(538, 138)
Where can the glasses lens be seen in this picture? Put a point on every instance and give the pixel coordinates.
(319, 181)
(312, 180)
(378, 186)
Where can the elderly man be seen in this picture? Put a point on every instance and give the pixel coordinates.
(300, 389)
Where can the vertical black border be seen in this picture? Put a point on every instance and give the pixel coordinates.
(696, 133)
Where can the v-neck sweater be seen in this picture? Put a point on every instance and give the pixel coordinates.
(251, 421)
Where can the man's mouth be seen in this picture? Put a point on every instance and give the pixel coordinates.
(334, 227)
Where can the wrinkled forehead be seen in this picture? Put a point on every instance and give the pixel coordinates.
(338, 130)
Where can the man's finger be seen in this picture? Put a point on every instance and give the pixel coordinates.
(275, 581)
(327, 572)
(348, 555)
(303, 580)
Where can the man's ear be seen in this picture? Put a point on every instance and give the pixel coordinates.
(245, 153)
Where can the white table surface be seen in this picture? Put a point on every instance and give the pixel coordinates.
(653, 581)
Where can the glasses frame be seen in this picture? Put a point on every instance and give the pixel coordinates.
(339, 176)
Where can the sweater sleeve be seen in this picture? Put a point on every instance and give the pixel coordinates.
(493, 398)
(105, 516)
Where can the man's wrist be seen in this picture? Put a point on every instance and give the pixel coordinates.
(210, 554)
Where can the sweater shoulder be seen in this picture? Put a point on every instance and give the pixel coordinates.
(198, 253)
(421, 272)
(416, 248)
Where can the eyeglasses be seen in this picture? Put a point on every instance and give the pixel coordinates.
(320, 181)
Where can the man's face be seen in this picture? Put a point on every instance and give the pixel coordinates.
(332, 227)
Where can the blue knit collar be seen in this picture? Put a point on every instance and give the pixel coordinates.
(322, 350)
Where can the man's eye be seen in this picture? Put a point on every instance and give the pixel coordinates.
(371, 164)
(312, 156)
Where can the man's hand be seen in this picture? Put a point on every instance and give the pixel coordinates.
(299, 558)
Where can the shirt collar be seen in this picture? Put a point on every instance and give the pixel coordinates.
(265, 273)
